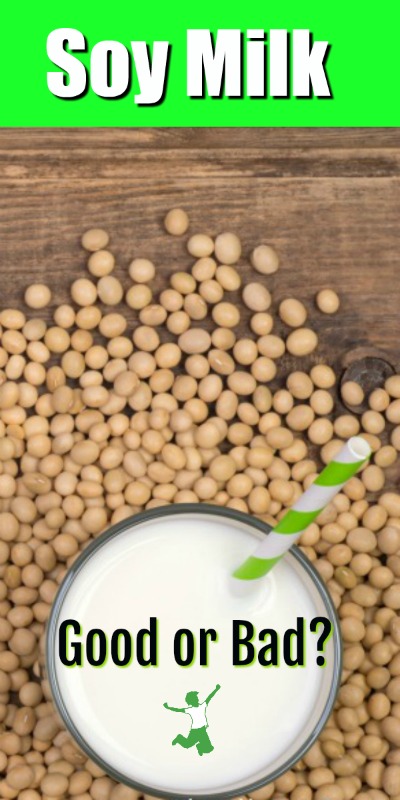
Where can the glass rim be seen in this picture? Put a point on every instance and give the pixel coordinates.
(115, 530)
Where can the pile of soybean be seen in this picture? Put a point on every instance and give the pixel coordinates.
(99, 421)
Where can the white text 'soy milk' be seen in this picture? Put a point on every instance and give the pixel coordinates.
(174, 681)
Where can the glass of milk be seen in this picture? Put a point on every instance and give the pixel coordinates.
(179, 680)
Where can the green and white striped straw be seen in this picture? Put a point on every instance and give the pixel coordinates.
(288, 530)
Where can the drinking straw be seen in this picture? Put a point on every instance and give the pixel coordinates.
(288, 530)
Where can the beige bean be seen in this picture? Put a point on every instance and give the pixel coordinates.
(226, 315)
(292, 312)
(227, 248)
(264, 259)
(301, 342)
(37, 295)
(327, 301)
(176, 222)
(195, 340)
(256, 297)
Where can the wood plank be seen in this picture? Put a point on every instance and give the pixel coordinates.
(199, 138)
(107, 165)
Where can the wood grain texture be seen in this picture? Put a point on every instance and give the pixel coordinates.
(328, 199)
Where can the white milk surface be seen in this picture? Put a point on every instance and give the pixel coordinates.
(177, 570)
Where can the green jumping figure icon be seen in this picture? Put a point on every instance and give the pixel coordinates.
(198, 713)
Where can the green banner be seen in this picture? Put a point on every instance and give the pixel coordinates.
(208, 64)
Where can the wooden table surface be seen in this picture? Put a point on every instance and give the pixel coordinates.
(328, 199)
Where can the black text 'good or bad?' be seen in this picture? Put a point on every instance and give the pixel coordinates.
(122, 648)
(232, 64)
